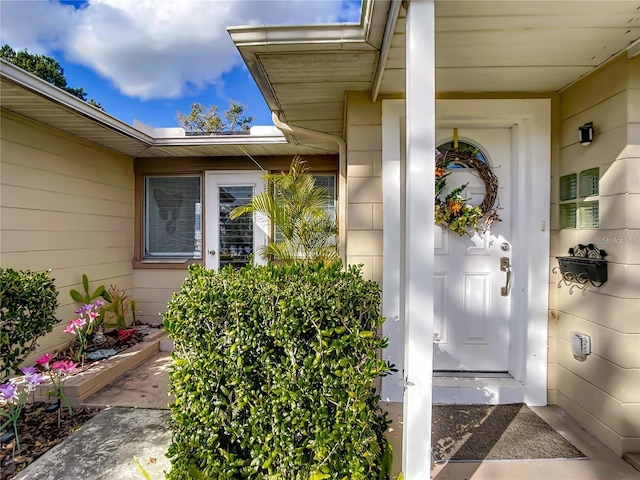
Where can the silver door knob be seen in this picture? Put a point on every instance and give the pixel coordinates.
(505, 247)
(212, 252)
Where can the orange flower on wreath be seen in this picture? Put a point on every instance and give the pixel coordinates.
(439, 172)
(455, 207)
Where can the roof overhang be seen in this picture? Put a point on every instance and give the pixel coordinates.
(304, 71)
(482, 47)
(26, 95)
(32, 97)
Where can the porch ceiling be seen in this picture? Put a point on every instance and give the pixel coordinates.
(481, 46)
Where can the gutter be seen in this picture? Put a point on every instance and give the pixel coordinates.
(342, 176)
(389, 29)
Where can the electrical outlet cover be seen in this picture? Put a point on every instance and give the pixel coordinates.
(580, 344)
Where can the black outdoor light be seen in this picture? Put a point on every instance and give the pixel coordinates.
(585, 133)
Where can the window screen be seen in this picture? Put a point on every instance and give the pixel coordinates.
(172, 217)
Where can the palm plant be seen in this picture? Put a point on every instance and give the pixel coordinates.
(296, 209)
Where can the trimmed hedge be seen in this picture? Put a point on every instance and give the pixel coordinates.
(28, 303)
(273, 373)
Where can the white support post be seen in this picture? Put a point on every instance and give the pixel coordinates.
(418, 284)
(393, 243)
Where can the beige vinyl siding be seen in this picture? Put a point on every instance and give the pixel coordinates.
(65, 205)
(364, 184)
(602, 392)
(153, 290)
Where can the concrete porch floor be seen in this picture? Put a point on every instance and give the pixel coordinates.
(602, 464)
(144, 394)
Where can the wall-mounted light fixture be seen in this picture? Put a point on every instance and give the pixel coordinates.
(585, 134)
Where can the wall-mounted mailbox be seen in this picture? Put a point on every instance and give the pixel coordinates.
(585, 265)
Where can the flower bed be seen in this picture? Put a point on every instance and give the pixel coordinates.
(39, 432)
(96, 375)
(45, 418)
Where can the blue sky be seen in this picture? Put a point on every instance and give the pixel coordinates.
(149, 59)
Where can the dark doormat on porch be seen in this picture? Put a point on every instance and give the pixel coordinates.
(464, 433)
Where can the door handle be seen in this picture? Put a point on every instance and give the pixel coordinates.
(505, 266)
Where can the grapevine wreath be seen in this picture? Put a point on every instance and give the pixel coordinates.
(453, 212)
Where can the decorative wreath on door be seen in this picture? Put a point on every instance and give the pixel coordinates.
(452, 211)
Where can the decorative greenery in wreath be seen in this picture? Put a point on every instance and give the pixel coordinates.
(453, 212)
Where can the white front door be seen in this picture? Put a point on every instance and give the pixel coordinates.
(232, 242)
(472, 301)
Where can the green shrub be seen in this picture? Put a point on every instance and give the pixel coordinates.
(273, 375)
(28, 303)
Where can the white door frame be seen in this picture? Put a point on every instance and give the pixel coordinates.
(260, 222)
(531, 123)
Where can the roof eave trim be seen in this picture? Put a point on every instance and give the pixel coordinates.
(263, 36)
(207, 140)
(342, 34)
(389, 30)
(24, 79)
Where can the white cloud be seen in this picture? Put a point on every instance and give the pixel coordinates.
(151, 49)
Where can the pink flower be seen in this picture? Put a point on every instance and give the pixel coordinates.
(62, 366)
(78, 323)
(44, 359)
(93, 315)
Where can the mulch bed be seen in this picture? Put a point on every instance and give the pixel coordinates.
(39, 432)
(38, 428)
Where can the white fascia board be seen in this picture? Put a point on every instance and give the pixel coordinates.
(26, 80)
(299, 35)
(54, 94)
(363, 35)
(208, 140)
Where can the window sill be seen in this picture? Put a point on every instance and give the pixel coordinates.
(176, 264)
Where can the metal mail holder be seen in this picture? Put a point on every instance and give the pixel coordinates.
(584, 266)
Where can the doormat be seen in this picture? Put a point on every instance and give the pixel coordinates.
(466, 433)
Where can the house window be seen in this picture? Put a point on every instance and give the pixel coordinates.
(463, 146)
(172, 217)
(568, 187)
(328, 182)
(579, 203)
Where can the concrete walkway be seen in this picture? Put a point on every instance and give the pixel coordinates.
(134, 422)
(146, 386)
(104, 447)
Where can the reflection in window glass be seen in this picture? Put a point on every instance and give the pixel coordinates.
(462, 147)
(236, 236)
(172, 217)
(328, 182)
